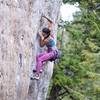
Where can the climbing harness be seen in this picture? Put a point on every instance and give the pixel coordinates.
(57, 55)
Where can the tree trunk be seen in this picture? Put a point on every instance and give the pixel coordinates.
(19, 24)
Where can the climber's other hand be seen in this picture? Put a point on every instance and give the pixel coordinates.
(40, 34)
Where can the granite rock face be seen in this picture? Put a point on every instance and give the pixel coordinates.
(19, 25)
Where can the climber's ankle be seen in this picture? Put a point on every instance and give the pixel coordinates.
(34, 70)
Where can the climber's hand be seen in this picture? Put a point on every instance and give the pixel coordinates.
(40, 34)
(43, 42)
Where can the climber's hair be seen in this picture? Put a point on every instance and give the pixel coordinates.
(47, 31)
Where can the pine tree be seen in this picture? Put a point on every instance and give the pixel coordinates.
(77, 76)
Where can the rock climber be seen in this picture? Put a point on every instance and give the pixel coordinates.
(52, 53)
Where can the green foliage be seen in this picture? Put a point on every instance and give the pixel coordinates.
(71, 1)
(78, 73)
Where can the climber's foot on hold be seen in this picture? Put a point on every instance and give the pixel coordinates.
(41, 70)
(31, 76)
(36, 76)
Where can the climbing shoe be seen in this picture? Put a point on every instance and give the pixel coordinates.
(36, 76)
(41, 70)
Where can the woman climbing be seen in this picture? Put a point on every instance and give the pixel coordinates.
(52, 53)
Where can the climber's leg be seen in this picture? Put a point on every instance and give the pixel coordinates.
(41, 54)
(34, 70)
(43, 58)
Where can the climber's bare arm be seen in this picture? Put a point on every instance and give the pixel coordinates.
(50, 23)
(42, 41)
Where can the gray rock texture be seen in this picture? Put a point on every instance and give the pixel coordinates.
(19, 25)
